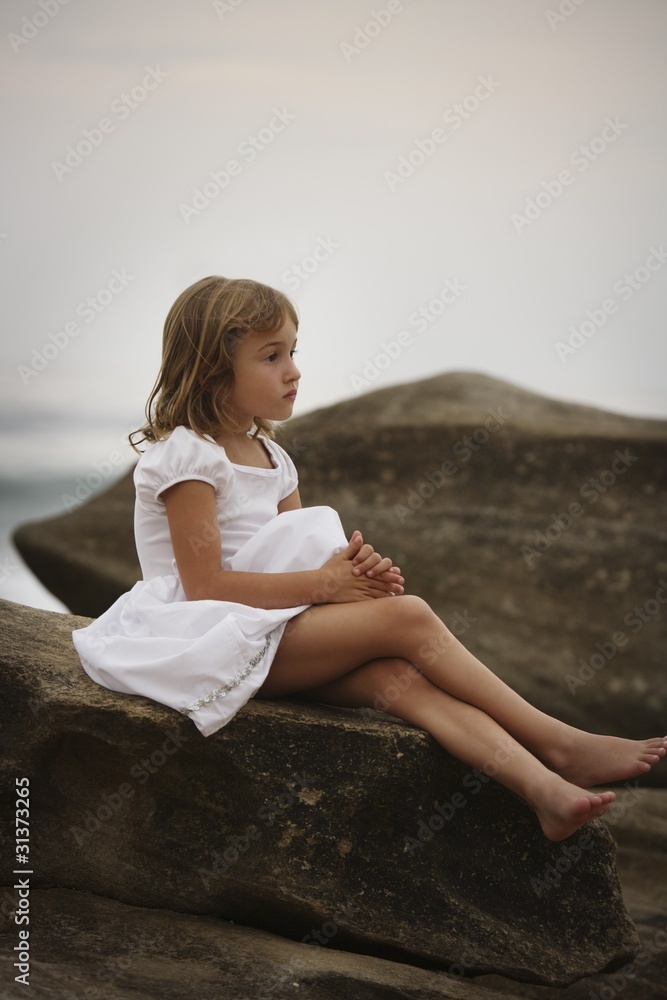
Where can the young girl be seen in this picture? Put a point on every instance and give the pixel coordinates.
(245, 594)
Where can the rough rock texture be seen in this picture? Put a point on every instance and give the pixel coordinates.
(90, 948)
(311, 822)
(639, 825)
(535, 528)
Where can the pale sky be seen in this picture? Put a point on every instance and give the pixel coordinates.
(440, 185)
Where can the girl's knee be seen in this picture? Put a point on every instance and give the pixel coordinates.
(414, 611)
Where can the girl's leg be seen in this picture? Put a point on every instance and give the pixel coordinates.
(328, 641)
(469, 734)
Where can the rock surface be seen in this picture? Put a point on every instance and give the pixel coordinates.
(535, 528)
(91, 948)
(639, 825)
(319, 824)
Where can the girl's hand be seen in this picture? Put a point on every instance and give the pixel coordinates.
(358, 573)
(370, 562)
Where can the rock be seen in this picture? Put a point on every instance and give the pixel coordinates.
(86, 947)
(319, 824)
(86, 558)
(535, 528)
(639, 824)
(105, 949)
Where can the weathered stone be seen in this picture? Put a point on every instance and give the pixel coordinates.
(97, 949)
(312, 822)
(468, 483)
(86, 947)
(639, 825)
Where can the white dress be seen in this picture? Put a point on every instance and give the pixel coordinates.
(205, 658)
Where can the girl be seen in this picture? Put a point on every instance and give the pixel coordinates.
(245, 594)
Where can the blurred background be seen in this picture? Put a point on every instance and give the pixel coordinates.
(439, 185)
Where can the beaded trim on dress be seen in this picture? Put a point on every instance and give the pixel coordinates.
(222, 692)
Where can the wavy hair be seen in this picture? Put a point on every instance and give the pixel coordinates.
(201, 332)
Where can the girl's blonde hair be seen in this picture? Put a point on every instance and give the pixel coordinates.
(201, 332)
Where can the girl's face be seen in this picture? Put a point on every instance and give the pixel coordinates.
(265, 376)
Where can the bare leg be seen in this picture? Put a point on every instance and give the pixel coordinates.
(472, 736)
(328, 641)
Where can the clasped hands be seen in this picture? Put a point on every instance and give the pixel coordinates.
(359, 573)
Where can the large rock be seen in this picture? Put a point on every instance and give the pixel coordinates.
(90, 948)
(639, 825)
(93, 948)
(323, 825)
(535, 528)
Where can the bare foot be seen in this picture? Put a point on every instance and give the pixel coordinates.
(586, 759)
(562, 808)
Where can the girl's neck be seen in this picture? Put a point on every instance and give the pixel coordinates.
(241, 449)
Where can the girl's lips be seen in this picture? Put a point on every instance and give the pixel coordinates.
(291, 395)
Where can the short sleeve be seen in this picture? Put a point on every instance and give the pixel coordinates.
(290, 477)
(180, 457)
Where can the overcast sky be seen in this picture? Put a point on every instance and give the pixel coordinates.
(439, 184)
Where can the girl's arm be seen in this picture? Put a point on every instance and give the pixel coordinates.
(195, 537)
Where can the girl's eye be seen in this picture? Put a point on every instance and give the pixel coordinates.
(274, 356)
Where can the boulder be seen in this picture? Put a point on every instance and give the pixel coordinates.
(93, 948)
(639, 825)
(331, 827)
(535, 528)
(87, 947)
